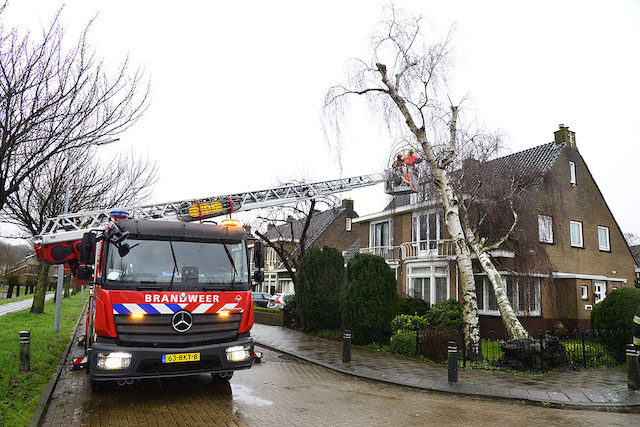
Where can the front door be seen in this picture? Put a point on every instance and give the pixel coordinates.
(600, 291)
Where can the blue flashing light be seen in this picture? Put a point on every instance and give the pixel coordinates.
(119, 214)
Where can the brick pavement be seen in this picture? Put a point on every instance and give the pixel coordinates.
(603, 388)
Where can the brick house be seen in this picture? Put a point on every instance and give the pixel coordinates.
(332, 227)
(584, 252)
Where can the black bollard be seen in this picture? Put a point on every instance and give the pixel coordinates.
(25, 351)
(346, 346)
(633, 367)
(453, 362)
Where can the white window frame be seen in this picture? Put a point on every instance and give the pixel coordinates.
(426, 248)
(572, 171)
(545, 228)
(576, 244)
(431, 275)
(347, 225)
(516, 280)
(604, 246)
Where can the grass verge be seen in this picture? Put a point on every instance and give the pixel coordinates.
(19, 393)
(14, 299)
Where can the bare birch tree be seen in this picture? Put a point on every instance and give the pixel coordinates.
(54, 98)
(406, 83)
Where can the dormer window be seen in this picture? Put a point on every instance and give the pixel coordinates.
(572, 169)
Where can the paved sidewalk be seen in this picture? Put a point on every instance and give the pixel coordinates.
(12, 307)
(601, 389)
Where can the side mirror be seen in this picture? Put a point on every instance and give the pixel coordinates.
(258, 255)
(123, 250)
(258, 276)
(87, 249)
(84, 272)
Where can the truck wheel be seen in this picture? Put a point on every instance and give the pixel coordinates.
(221, 376)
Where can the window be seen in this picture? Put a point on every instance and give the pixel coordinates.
(585, 293)
(576, 234)
(429, 283)
(523, 294)
(348, 224)
(545, 228)
(603, 238)
(572, 169)
(427, 230)
(380, 238)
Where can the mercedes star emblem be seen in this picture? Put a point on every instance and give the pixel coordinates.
(182, 321)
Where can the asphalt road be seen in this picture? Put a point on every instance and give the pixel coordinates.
(285, 391)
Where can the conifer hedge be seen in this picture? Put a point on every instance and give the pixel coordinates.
(616, 311)
(320, 277)
(369, 299)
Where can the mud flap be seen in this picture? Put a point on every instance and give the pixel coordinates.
(257, 357)
(82, 340)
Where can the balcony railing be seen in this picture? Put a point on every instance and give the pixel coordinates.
(389, 253)
(427, 249)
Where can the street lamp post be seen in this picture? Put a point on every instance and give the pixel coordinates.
(56, 324)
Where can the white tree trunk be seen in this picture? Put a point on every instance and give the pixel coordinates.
(463, 259)
(509, 318)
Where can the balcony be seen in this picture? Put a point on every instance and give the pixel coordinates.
(423, 250)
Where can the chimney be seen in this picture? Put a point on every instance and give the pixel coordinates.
(347, 204)
(565, 136)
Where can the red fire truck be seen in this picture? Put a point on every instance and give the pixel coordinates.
(169, 295)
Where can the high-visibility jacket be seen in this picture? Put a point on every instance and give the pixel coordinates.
(410, 159)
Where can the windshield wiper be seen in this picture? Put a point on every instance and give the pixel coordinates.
(233, 264)
(175, 266)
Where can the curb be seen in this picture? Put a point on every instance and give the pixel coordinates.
(465, 389)
(45, 397)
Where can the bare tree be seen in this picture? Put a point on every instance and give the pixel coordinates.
(122, 182)
(405, 82)
(289, 230)
(53, 99)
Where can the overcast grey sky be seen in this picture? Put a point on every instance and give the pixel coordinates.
(237, 87)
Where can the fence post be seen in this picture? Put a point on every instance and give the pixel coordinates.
(584, 349)
(541, 351)
(417, 341)
(633, 368)
(25, 351)
(453, 362)
(346, 346)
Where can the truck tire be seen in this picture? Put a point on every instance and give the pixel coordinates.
(221, 376)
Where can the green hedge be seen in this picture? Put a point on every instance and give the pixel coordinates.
(404, 343)
(369, 299)
(318, 282)
(616, 311)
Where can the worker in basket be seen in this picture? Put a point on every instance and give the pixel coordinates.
(397, 166)
(410, 160)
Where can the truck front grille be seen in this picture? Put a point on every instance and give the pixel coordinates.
(155, 330)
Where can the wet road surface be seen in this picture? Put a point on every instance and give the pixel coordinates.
(286, 391)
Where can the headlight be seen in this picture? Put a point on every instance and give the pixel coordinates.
(238, 353)
(111, 361)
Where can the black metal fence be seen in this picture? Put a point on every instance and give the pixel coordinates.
(576, 349)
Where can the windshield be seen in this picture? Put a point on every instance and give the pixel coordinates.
(178, 265)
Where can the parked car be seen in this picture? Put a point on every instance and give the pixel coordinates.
(261, 299)
(276, 301)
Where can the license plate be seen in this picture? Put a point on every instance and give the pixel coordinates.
(180, 357)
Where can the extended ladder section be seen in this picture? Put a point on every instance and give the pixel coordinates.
(72, 226)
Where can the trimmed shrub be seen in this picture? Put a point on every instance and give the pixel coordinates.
(369, 300)
(405, 322)
(290, 311)
(413, 306)
(616, 311)
(447, 313)
(318, 282)
(404, 343)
